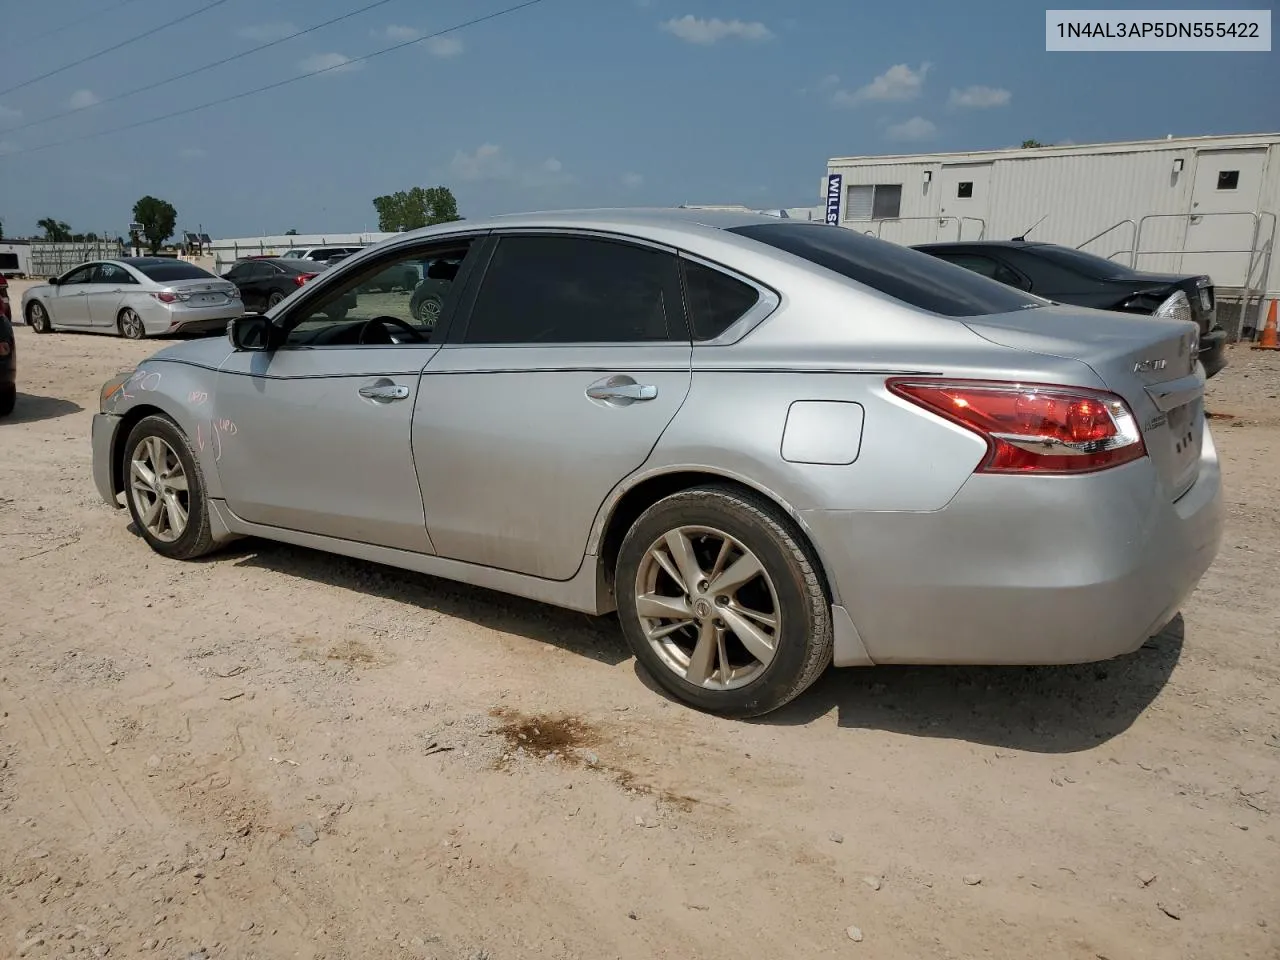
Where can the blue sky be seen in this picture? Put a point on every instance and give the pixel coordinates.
(566, 103)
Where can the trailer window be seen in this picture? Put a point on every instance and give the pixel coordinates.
(907, 275)
(1228, 179)
(878, 201)
(964, 189)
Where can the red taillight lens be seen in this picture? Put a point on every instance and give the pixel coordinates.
(1034, 428)
(164, 296)
(302, 278)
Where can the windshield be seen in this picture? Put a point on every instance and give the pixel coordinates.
(174, 270)
(907, 275)
(1081, 262)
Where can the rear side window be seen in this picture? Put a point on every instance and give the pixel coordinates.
(907, 275)
(177, 270)
(548, 289)
(716, 301)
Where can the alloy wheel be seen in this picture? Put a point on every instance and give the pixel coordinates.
(131, 325)
(708, 608)
(158, 485)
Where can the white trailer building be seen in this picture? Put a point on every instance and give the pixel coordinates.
(1186, 204)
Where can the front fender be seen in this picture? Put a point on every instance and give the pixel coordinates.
(183, 392)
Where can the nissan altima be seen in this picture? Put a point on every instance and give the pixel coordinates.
(769, 445)
(134, 297)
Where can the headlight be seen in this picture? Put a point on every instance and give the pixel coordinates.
(1177, 307)
(112, 388)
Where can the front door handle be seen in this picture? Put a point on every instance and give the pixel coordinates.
(621, 390)
(384, 392)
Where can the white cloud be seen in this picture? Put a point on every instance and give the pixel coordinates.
(490, 162)
(487, 162)
(979, 98)
(193, 153)
(81, 99)
(897, 83)
(327, 62)
(396, 33)
(266, 32)
(917, 128)
(444, 46)
(9, 114)
(693, 29)
(632, 180)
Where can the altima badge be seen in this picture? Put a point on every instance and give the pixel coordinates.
(1149, 366)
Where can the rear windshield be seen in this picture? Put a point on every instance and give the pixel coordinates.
(175, 270)
(1080, 261)
(907, 275)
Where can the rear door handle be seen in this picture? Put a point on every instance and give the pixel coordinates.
(621, 391)
(384, 392)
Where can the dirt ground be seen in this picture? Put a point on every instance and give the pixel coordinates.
(278, 753)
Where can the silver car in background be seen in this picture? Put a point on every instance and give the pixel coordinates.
(134, 297)
(769, 445)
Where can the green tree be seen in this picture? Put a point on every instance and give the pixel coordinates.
(1028, 144)
(158, 218)
(291, 232)
(1, 229)
(416, 207)
(57, 231)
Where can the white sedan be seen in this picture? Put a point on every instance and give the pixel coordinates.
(135, 297)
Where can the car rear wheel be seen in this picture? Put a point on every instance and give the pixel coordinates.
(274, 299)
(427, 311)
(165, 490)
(38, 317)
(130, 324)
(720, 598)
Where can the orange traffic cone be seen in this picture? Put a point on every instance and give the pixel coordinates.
(1268, 341)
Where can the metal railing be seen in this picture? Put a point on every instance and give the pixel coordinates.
(51, 258)
(940, 221)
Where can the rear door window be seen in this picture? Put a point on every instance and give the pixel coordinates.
(906, 275)
(570, 289)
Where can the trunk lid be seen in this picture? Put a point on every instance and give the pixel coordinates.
(1150, 362)
(204, 292)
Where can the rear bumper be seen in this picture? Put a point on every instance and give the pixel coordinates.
(160, 318)
(1213, 351)
(1025, 570)
(103, 441)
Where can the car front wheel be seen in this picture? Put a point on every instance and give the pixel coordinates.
(165, 490)
(38, 317)
(720, 598)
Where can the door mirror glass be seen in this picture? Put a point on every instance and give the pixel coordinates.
(250, 332)
(53, 281)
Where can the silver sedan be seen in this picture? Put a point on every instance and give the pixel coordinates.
(134, 297)
(769, 445)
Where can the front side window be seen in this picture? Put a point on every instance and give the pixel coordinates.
(565, 289)
(391, 301)
(79, 275)
(907, 275)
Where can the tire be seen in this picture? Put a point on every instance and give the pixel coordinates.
(196, 537)
(791, 585)
(275, 298)
(427, 311)
(38, 317)
(130, 325)
(8, 399)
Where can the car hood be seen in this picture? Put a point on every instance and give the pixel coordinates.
(206, 352)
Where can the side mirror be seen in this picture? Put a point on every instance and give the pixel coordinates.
(252, 331)
(53, 281)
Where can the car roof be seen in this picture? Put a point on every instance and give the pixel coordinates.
(631, 220)
(1015, 244)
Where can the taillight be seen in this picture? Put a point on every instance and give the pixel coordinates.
(302, 278)
(1033, 428)
(166, 296)
(1176, 307)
